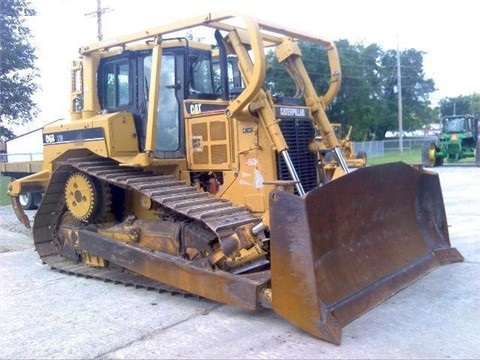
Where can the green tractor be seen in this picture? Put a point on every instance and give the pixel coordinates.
(458, 140)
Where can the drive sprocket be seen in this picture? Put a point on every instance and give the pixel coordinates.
(85, 198)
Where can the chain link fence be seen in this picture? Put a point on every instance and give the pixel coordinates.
(379, 148)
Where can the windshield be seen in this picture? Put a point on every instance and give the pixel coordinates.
(201, 80)
(454, 124)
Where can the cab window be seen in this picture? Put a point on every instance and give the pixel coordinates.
(117, 87)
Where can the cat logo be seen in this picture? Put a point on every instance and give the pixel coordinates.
(195, 109)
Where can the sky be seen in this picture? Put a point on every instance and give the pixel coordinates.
(445, 31)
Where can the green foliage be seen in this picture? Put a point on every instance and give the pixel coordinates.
(17, 66)
(415, 91)
(368, 97)
(474, 103)
(4, 198)
(460, 105)
(360, 99)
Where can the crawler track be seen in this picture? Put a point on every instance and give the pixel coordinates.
(219, 215)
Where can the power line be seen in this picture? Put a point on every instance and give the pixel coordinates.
(98, 13)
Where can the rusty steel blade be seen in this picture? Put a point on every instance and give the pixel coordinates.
(347, 246)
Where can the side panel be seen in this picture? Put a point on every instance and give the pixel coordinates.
(208, 139)
(108, 135)
(238, 148)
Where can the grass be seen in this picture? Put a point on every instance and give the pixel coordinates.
(412, 156)
(4, 198)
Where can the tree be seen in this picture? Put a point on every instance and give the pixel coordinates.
(415, 91)
(360, 100)
(368, 97)
(17, 67)
(460, 105)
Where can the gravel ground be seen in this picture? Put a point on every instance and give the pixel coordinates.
(13, 235)
(45, 314)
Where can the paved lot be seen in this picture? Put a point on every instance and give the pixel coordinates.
(45, 314)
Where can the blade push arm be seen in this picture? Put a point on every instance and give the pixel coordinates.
(289, 54)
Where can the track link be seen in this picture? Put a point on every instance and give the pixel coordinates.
(219, 215)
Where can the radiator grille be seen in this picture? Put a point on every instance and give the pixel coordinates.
(298, 133)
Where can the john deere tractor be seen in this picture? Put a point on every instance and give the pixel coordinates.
(458, 140)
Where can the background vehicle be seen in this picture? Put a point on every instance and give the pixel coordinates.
(167, 176)
(23, 157)
(458, 140)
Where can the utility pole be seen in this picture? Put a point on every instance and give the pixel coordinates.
(400, 111)
(98, 13)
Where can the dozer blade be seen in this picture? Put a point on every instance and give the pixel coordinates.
(348, 245)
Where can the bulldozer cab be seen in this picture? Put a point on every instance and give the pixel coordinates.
(186, 72)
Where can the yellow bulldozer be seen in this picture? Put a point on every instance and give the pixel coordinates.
(170, 175)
